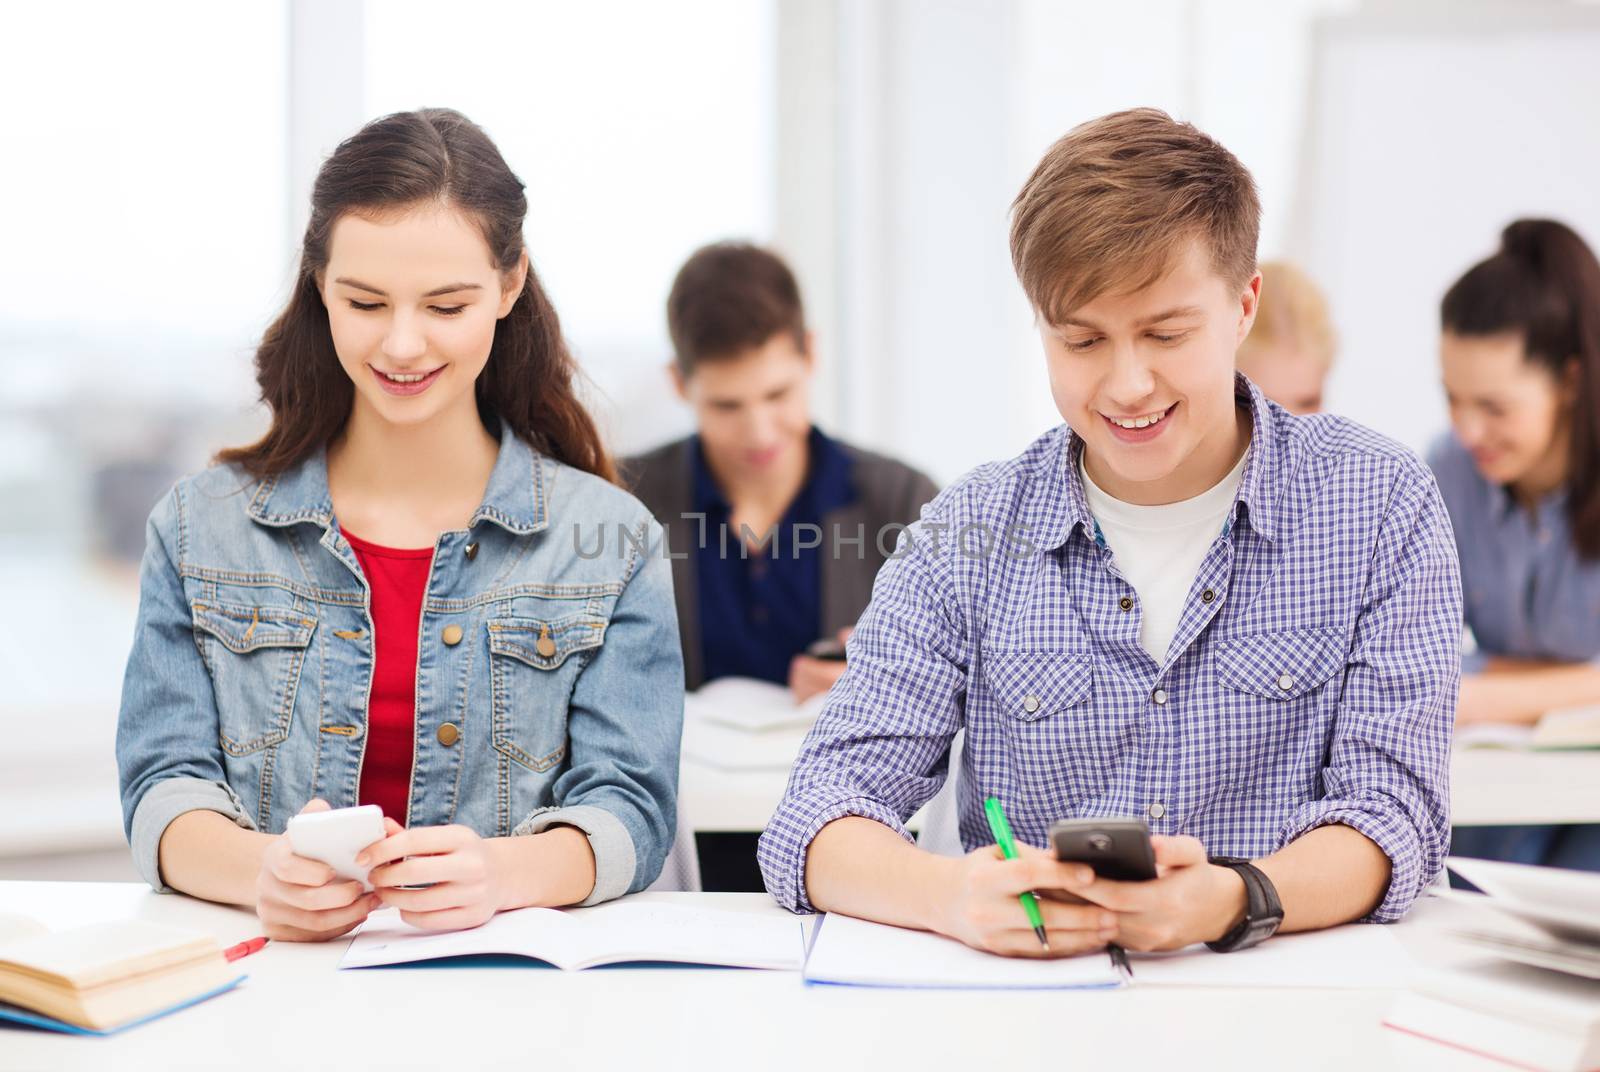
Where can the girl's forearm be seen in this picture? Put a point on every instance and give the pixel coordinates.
(549, 869)
(206, 855)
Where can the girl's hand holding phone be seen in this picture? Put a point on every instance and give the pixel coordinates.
(464, 878)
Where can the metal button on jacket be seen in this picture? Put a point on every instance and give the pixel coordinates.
(448, 734)
(472, 551)
(1125, 603)
(1207, 596)
(451, 635)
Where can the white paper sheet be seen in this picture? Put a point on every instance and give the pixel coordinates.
(854, 952)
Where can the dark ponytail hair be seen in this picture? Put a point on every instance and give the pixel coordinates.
(1544, 285)
(411, 158)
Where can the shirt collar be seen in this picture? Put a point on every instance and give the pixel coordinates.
(1067, 508)
(515, 499)
(828, 480)
(1503, 503)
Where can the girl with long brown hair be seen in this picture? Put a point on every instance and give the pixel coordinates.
(1520, 356)
(383, 601)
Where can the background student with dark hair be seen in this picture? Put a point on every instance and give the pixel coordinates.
(1521, 478)
(743, 358)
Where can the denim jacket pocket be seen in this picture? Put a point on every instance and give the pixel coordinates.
(534, 664)
(254, 655)
(1280, 694)
(1046, 717)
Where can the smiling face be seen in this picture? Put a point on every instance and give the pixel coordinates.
(412, 300)
(1147, 379)
(1509, 412)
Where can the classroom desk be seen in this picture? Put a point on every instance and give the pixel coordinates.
(297, 1011)
(1492, 786)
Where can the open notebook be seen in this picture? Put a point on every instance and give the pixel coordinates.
(632, 930)
(852, 952)
(1565, 729)
(105, 977)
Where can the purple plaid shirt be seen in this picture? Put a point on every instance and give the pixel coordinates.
(1312, 679)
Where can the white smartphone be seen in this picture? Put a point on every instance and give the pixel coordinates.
(334, 837)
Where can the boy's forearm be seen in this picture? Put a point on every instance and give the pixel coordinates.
(1328, 876)
(207, 855)
(860, 867)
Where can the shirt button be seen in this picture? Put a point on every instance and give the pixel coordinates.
(1156, 810)
(1125, 603)
(1030, 704)
(1159, 696)
(451, 635)
(1285, 682)
(1207, 596)
(448, 734)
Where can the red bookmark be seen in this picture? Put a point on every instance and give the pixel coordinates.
(244, 949)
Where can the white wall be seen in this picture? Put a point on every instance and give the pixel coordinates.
(953, 104)
(1429, 132)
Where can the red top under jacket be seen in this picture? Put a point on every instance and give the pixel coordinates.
(398, 580)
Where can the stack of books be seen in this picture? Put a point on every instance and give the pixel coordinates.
(1530, 994)
(102, 978)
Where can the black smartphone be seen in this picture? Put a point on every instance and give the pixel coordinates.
(828, 649)
(1117, 849)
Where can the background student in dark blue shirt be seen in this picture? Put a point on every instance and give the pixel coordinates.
(1521, 478)
(780, 528)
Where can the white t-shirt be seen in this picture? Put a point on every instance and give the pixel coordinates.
(1159, 549)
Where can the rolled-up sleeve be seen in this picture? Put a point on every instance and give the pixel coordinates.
(881, 746)
(1388, 769)
(169, 760)
(624, 725)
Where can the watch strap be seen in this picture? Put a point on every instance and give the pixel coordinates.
(1263, 911)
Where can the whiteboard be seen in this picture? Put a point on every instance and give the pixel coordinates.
(1428, 131)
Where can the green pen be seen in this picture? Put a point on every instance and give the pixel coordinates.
(1008, 848)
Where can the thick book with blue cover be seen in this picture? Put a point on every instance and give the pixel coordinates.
(106, 977)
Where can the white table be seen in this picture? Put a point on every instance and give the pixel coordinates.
(297, 1011)
(1491, 786)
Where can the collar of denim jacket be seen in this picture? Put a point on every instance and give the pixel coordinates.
(1067, 509)
(515, 498)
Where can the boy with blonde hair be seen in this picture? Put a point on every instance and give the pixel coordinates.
(1185, 605)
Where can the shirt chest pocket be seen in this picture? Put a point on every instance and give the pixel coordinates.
(254, 655)
(1278, 699)
(534, 664)
(1043, 704)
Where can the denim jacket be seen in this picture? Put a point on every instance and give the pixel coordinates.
(549, 647)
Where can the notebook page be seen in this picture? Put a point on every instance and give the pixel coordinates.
(750, 705)
(102, 952)
(14, 927)
(631, 930)
(543, 933)
(614, 933)
(854, 952)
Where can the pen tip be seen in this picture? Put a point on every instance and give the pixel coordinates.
(1043, 940)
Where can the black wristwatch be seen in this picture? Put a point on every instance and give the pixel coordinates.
(1262, 914)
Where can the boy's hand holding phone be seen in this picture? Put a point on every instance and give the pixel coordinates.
(1188, 901)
